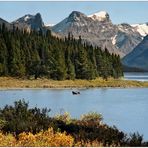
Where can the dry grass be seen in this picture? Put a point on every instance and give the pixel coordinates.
(9, 82)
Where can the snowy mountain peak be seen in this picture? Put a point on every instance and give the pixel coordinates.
(141, 28)
(28, 17)
(101, 16)
(34, 22)
(24, 18)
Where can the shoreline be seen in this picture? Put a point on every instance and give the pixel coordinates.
(11, 83)
(76, 88)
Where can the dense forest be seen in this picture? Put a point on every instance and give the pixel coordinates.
(39, 54)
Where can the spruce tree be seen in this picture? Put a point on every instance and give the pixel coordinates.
(3, 57)
(40, 54)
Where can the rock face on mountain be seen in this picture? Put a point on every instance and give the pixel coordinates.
(98, 29)
(138, 57)
(127, 38)
(30, 22)
(91, 30)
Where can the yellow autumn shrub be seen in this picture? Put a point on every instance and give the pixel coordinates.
(45, 138)
(26, 139)
(61, 139)
(7, 140)
(49, 138)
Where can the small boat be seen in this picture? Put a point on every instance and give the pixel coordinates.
(75, 92)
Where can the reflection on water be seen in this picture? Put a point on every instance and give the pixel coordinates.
(138, 76)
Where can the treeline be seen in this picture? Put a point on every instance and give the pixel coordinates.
(34, 127)
(40, 54)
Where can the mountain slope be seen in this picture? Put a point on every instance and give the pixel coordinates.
(138, 57)
(98, 29)
(127, 38)
(8, 25)
(3, 21)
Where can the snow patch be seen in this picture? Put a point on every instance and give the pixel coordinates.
(141, 28)
(26, 18)
(114, 40)
(101, 16)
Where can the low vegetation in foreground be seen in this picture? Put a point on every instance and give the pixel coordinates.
(24, 126)
(11, 82)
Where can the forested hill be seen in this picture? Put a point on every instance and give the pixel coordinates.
(25, 54)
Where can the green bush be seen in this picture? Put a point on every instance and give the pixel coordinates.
(20, 118)
(92, 116)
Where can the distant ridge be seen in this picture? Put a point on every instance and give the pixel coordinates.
(138, 58)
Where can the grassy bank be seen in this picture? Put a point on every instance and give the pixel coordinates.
(9, 82)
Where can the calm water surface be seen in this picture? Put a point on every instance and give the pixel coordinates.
(138, 76)
(125, 108)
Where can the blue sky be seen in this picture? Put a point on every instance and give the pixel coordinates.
(53, 12)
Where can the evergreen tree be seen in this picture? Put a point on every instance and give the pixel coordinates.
(84, 68)
(69, 65)
(3, 57)
(58, 69)
(40, 54)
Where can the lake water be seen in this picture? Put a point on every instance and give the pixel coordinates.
(127, 109)
(138, 76)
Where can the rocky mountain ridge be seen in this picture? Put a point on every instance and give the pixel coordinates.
(30, 22)
(96, 29)
(99, 30)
